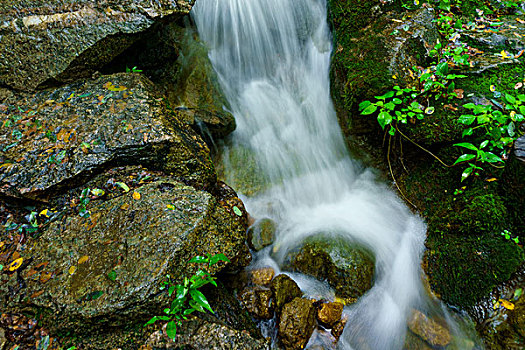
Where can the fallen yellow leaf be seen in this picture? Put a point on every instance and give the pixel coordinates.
(45, 213)
(170, 206)
(72, 270)
(15, 264)
(83, 259)
(506, 304)
(491, 179)
(136, 195)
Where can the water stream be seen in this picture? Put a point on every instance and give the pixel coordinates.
(272, 58)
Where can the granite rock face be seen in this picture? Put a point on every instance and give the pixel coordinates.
(44, 43)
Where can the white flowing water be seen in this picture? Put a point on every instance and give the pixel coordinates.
(272, 58)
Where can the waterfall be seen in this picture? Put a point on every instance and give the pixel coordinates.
(272, 58)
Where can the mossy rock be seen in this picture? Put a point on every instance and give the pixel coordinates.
(464, 269)
(348, 269)
(83, 273)
(248, 178)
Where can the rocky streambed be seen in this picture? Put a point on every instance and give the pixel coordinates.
(107, 185)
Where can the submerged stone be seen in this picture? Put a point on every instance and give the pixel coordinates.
(261, 234)
(106, 269)
(348, 269)
(60, 137)
(428, 329)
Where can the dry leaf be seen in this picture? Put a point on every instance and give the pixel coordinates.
(72, 270)
(15, 264)
(506, 304)
(136, 196)
(83, 259)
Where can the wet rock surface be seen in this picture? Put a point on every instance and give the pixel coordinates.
(284, 290)
(428, 329)
(297, 323)
(64, 136)
(328, 314)
(106, 268)
(347, 269)
(258, 301)
(199, 334)
(61, 41)
(262, 276)
(261, 234)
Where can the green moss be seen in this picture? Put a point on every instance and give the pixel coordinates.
(465, 268)
(503, 77)
(484, 214)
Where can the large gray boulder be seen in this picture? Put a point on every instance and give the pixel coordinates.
(44, 43)
(60, 137)
(105, 268)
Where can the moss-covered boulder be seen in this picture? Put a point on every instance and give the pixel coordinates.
(105, 268)
(61, 41)
(58, 138)
(348, 269)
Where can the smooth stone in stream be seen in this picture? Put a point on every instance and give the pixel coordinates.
(428, 329)
(297, 323)
(284, 290)
(261, 234)
(329, 313)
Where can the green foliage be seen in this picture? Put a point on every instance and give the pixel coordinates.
(500, 131)
(508, 236)
(186, 296)
(133, 70)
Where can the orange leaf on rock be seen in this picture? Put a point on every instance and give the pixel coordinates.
(83, 259)
(136, 195)
(45, 276)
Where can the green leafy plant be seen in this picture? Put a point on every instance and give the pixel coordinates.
(133, 70)
(501, 128)
(508, 236)
(186, 296)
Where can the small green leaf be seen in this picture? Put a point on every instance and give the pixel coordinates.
(369, 110)
(364, 104)
(484, 144)
(384, 118)
(218, 257)
(151, 321)
(492, 158)
(466, 173)
(237, 211)
(466, 145)
(200, 299)
(464, 158)
(97, 192)
(467, 119)
(510, 99)
(112, 275)
(171, 329)
(123, 186)
(518, 293)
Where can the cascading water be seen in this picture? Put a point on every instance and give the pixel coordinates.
(272, 58)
